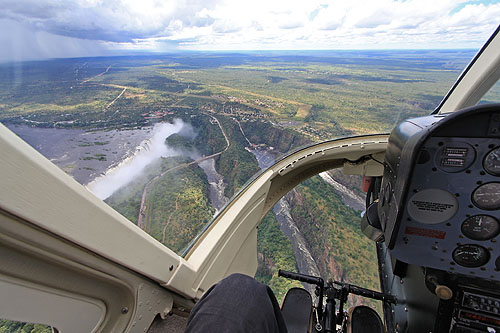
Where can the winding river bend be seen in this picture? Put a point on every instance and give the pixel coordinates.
(282, 210)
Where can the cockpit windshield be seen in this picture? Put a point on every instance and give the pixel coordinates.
(492, 96)
(166, 110)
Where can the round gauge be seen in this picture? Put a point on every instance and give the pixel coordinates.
(491, 162)
(470, 255)
(487, 196)
(481, 227)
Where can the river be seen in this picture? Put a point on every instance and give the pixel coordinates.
(349, 197)
(87, 155)
(83, 155)
(217, 185)
(282, 210)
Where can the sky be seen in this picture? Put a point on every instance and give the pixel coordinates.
(40, 29)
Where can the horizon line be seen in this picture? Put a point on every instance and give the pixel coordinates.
(173, 52)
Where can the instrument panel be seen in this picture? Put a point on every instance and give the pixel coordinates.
(475, 311)
(446, 213)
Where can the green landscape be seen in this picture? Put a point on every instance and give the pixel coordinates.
(7, 326)
(324, 94)
(237, 103)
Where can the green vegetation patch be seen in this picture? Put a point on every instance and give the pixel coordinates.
(332, 230)
(97, 157)
(8, 326)
(275, 252)
(236, 164)
(178, 207)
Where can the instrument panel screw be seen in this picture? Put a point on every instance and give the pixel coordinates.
(124, 310)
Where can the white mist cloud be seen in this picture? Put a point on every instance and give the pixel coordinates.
(148, 152)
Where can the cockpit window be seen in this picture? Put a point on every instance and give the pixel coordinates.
(168, 139)
(166, 126)
(492, 96)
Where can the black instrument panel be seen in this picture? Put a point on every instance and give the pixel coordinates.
(445, 214)
(476, 311)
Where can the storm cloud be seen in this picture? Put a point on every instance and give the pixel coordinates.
(56, 28)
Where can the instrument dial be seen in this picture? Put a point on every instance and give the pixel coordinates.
(487, 196)
(480, 227)
(470, 255)
(491, 162)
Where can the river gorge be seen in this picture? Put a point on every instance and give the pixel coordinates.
(108, 160)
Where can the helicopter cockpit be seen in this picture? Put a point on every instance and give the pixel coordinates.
(433, 210)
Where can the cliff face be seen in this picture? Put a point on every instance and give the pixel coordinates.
(259, 132)
(332, 231)
(330, 228)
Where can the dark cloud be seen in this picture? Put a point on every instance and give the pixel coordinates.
(32, 10)
(20, 43)
(110, 20)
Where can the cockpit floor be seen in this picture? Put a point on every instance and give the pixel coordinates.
(174, 324)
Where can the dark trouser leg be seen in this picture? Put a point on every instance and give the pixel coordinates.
(237, 304)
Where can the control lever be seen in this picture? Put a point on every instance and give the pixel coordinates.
(302, 278)
(327, 320)
(349, 287)
(368, 293)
